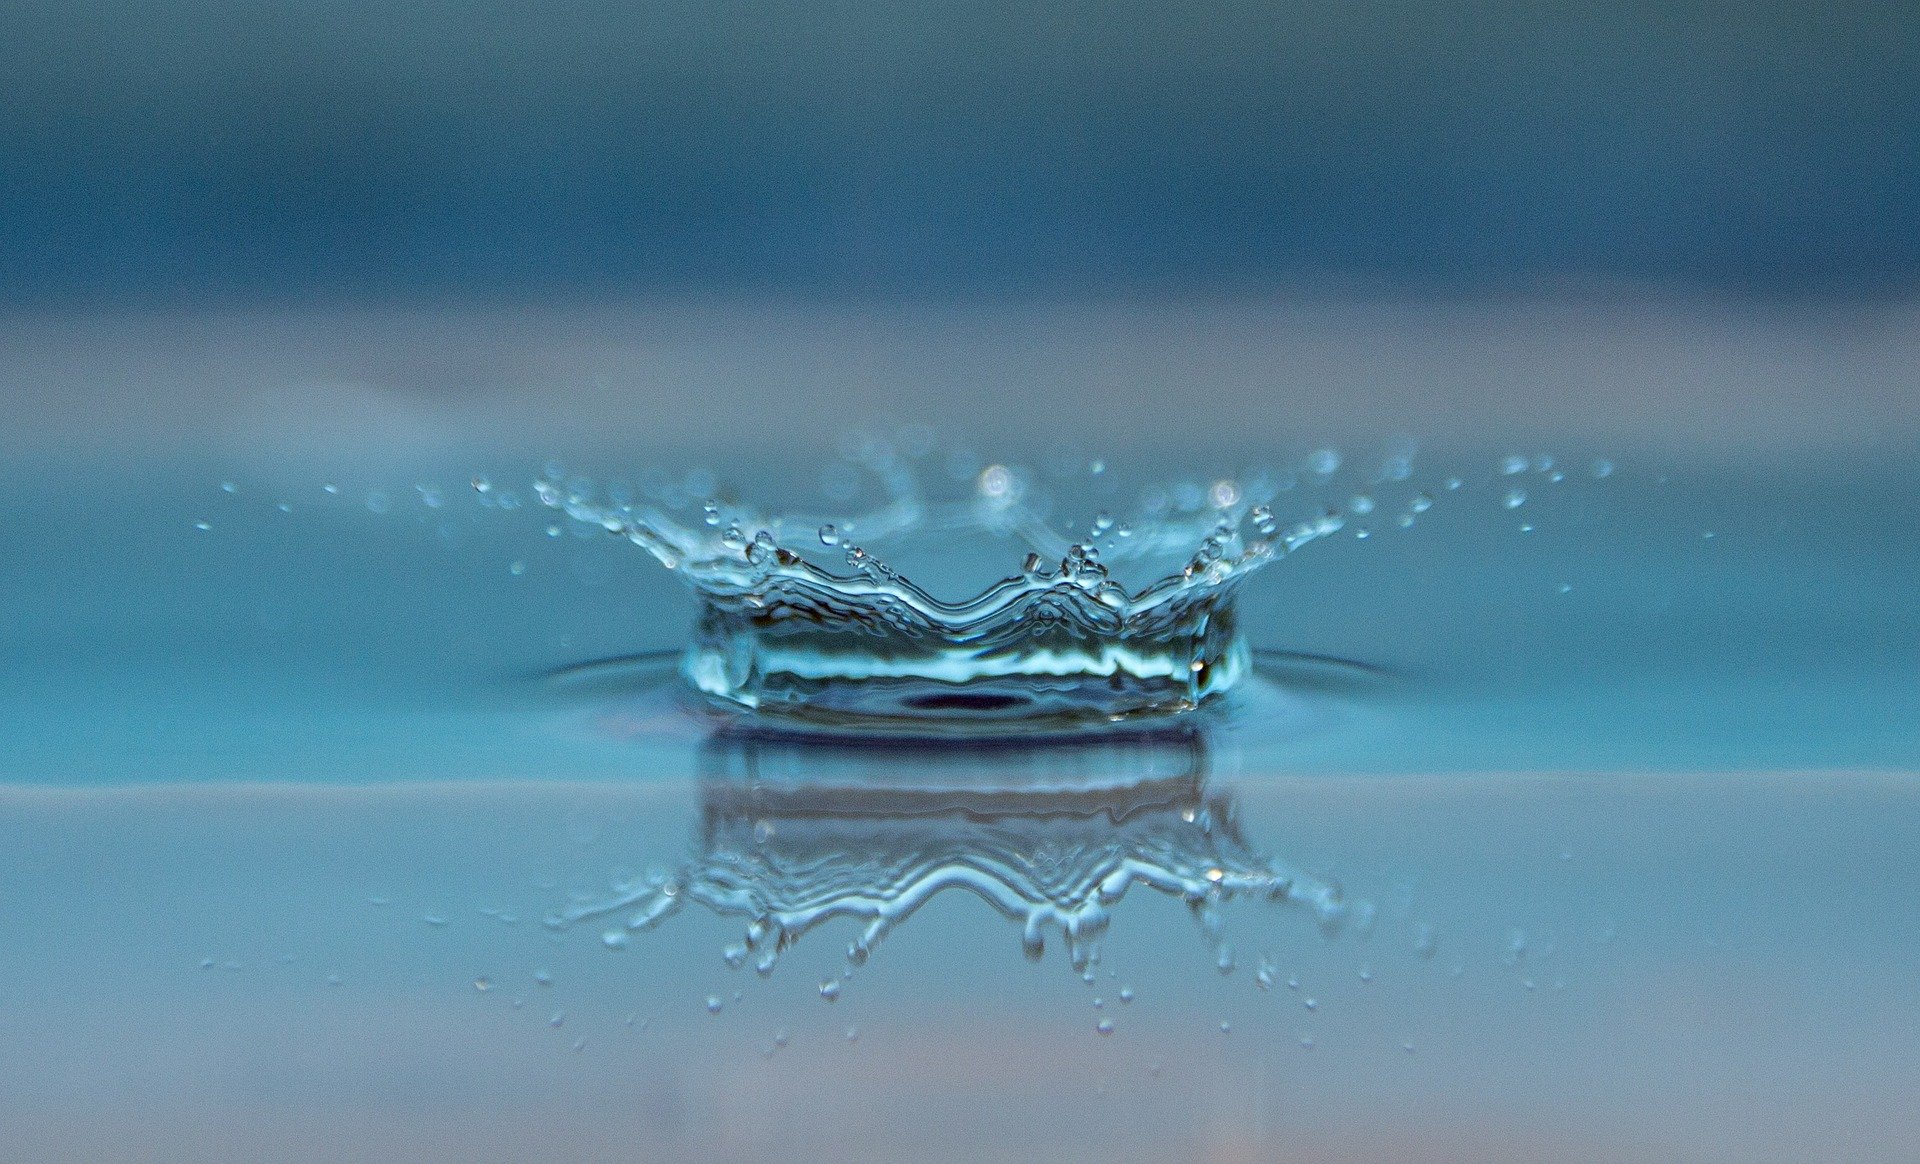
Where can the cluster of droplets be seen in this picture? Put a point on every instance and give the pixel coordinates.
(1219, 529)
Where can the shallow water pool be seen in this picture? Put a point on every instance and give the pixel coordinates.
(1616, 815)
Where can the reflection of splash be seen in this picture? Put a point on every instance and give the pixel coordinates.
(1052, 835)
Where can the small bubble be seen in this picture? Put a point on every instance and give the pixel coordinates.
(829, 535)
(713, 1004)
(996, 483)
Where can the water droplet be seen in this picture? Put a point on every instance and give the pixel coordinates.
(1513, 465)
(482, 485)
(203, 526)
(1324, 462)
(1425, 940)
(1225, 494)
(1104, 1026)
(543, 977)
(559, 1018)
(1421, 502)
(830, 988)
(829, 535)
(1312, 1004)
(1306, 1042)
(996, 483)
(1226, 1028)
(1515, 498)
(1366, 974)
(1126, 994)
(713, 1004)
(229, 487)
(614, 939)
(853, 1034)
(483, 984)
(1566, 588)
(1362, 505)
(516, 567)
(553, 531)
(1602, 468)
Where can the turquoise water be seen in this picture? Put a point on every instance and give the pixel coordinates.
(1604, 852)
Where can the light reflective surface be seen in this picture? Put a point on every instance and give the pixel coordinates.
(1615, 817)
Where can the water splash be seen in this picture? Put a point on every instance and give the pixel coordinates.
(797, 832)
(1128, 615)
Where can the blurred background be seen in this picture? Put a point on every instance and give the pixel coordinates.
(304, 149)
(534, 223)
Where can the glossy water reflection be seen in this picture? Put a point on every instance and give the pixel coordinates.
(1053, 834)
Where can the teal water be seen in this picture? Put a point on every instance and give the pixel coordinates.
(1619, 818)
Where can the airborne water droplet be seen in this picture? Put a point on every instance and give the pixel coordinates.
(829, 535)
